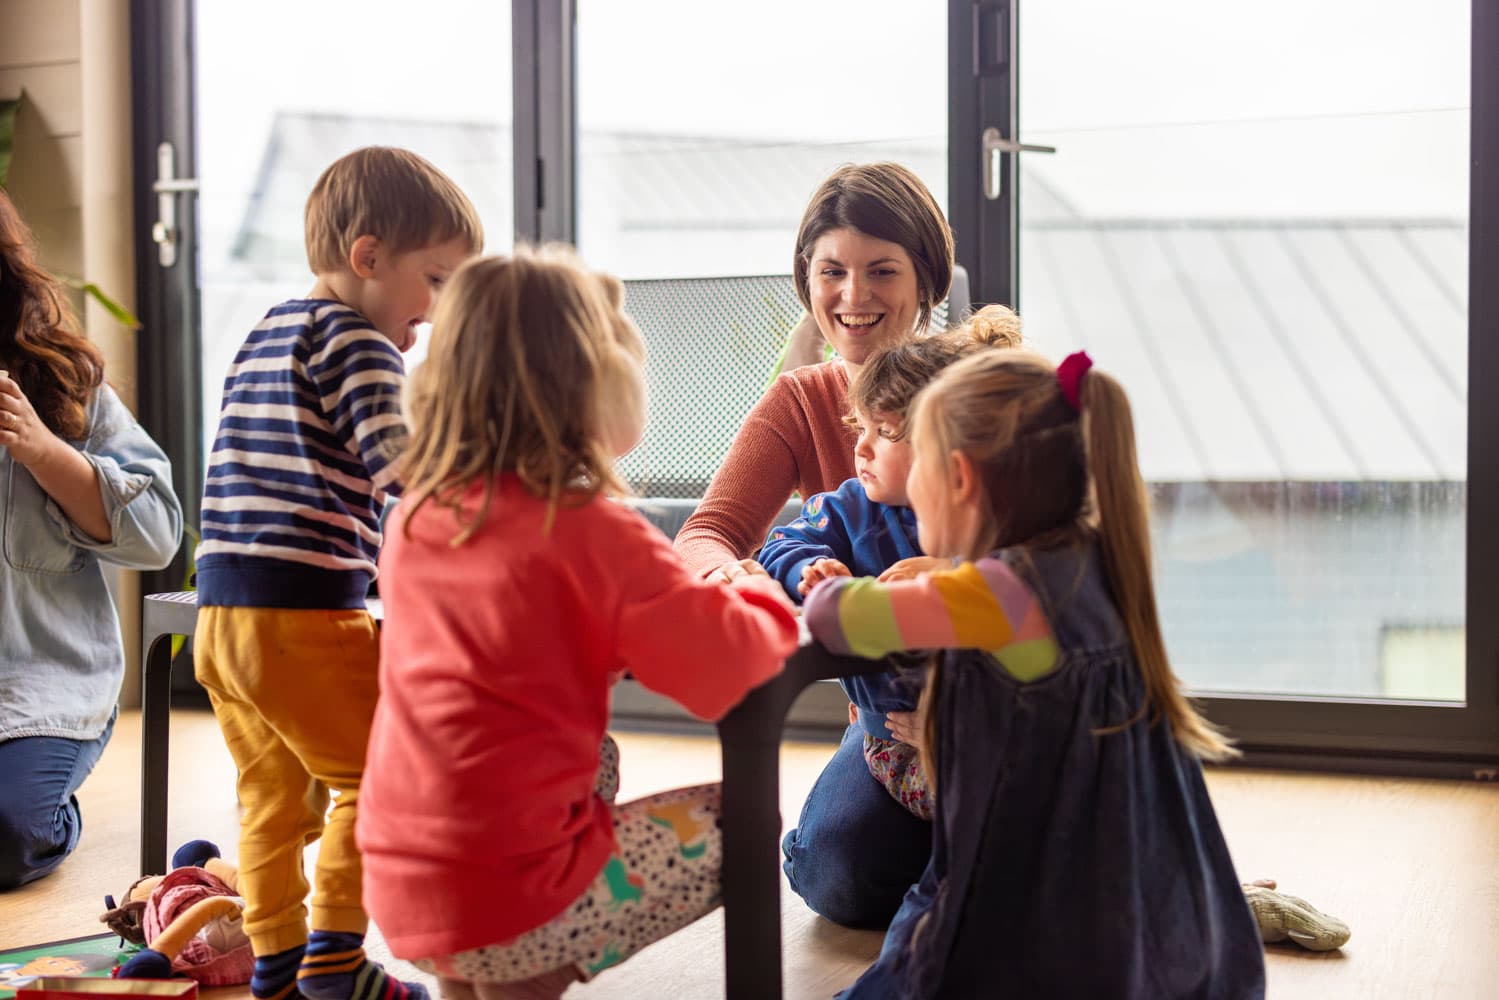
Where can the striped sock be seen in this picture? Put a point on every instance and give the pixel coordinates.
(275, 976)
(335, 968)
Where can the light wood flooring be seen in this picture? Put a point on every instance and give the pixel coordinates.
(1412, 865)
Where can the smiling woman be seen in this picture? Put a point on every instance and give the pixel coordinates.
(873, 255)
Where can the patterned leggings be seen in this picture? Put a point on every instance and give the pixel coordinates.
(663, 876)
(897, 766)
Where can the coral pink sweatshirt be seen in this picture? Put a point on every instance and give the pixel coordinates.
(794, 439)
(477, 814)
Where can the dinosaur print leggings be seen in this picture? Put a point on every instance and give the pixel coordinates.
(664, 875)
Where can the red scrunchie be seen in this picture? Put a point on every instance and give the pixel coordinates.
(1070, 377)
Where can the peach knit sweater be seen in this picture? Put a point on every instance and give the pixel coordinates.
(794, 439)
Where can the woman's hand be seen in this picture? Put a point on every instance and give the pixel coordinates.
(906, 727)
(745, 581)
(910, 569)
(730, 571)
(818, 571)
(22, 432)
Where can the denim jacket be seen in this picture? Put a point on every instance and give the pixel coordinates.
(61, 656)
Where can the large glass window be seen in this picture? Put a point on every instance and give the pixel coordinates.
(1258, 221)
(704, 127)
(702, 131)
(284, 88)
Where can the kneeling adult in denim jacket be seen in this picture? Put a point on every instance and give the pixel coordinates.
(81, 484)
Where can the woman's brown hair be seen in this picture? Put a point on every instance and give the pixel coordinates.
(1051, 473)
(523, 349)
(56, 367)
(888, 202)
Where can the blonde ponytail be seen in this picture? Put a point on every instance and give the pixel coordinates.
(1057, 466)
(1122, 508)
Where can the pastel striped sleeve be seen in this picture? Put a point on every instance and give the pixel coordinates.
(981, 605)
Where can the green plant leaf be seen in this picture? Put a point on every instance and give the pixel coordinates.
(8, 111)
(112, 307)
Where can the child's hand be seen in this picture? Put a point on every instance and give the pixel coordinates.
(818, 571)
(910, 569)
(906, 727)
(731, 571)
(853, 714)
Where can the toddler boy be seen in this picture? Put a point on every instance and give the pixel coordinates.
(308, 448)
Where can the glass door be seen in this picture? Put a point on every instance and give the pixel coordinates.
(276, 106)
(1259, 220)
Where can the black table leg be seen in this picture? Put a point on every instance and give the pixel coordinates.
(156, 721)
(751, 740)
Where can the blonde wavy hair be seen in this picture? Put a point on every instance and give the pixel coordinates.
(532, 369)
(1051, 474)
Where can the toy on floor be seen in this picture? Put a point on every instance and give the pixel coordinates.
(1283, 917)
(190, 920)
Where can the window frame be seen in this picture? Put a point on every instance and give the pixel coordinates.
(1392, 737)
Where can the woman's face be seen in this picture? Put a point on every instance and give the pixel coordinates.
(864, 293)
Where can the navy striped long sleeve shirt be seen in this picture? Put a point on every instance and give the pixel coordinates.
(305, 455)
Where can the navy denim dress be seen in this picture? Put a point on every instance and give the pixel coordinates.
(1067, 863)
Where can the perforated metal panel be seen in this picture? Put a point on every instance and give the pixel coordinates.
(711, 350)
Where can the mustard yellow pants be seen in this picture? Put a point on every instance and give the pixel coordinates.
(294, 692)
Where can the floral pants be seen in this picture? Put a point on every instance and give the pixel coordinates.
(897, 766)
(663, 876)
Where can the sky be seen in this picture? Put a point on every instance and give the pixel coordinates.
(1351, 107)
(1320, 108)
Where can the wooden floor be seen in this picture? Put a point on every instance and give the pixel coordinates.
(1413, 866)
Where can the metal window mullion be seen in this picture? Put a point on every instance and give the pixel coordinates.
(545, 119)
(1483, 369)
(168, 350)
(983, 92)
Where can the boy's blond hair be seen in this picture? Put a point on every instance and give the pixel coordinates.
(527, 352)
(391, 194)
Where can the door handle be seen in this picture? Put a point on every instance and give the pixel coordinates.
(993, 146)
(166, 188)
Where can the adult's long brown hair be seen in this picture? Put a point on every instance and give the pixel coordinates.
(40, 344)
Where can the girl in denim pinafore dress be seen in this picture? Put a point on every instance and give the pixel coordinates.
(1076, 852)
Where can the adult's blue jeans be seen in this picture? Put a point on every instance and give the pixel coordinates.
(39, 819)
(882, 980)
(855, 850)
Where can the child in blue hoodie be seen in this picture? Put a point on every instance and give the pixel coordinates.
(866, 528)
